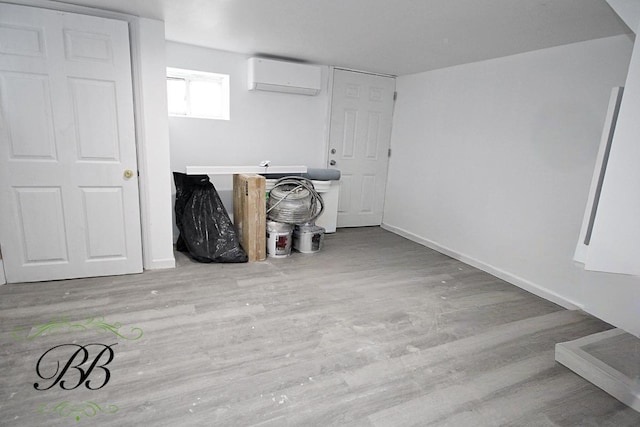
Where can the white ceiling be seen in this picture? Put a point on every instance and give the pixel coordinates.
(386, 36)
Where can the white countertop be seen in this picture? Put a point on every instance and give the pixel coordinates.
(230, 170)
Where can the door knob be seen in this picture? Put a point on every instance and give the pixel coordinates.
(128, 174)
(332, 162)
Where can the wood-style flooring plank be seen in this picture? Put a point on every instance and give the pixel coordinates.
(374, 330)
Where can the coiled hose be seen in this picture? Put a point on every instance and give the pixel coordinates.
(294, 200)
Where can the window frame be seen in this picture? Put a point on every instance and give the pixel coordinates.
(189, 76)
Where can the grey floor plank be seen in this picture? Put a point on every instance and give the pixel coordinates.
(374, 330)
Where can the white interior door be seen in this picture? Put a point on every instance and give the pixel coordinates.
(69, 208)
(359, 136)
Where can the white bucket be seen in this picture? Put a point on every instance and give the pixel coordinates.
(308, 238)
(278, 239)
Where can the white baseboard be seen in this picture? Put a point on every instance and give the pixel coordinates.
(527, 285)
(3, 280)
(159, 264)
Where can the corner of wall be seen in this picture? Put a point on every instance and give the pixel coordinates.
(153, 143)
(524, 284)
(3, 280)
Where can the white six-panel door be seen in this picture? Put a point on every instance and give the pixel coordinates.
(68, 175)
(359, 137)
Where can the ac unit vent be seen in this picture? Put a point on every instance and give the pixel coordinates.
(283, 76)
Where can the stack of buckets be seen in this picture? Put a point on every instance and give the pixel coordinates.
(281, 237)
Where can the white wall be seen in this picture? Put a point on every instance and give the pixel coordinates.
(152, 130)
(492, 163)
(287, 129)
(628, 11)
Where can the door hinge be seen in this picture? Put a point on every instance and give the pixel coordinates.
(395, 95)
(389, 153)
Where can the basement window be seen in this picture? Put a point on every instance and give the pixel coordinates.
(197, 94)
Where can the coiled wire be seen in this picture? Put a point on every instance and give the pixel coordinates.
(294, 200)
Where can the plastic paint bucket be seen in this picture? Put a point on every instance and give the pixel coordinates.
(308, 238)
(278, 239)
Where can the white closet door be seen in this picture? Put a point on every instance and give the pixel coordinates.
(68, 175)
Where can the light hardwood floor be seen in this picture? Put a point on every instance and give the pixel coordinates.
(373, 331)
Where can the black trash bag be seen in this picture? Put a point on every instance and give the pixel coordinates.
(206, 232)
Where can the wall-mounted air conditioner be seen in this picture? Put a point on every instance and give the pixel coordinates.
(283, 76)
